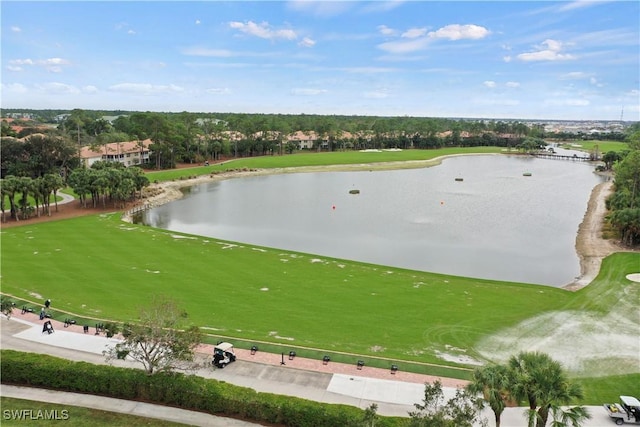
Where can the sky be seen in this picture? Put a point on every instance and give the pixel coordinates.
(546, 60)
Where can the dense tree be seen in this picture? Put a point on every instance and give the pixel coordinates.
(7, 130)
(609, 158)
(48, 154)
(10, 188)
(25, 186)
(624, 203)
(6, 306)
(13, 157)
(492, 383)
(159, 340)
(540, 381)
(460, 411)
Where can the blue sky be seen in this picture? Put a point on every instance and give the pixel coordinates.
(503, 59)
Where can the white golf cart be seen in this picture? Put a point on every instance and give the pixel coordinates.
(223, 354)
(627, 411)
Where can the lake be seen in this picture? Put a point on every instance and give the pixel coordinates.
(474, 216)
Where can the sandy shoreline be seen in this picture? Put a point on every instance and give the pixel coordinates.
(590, 245)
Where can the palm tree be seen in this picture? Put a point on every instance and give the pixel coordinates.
(541, 381)
(492, 381)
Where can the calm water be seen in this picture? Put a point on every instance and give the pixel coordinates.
(495, 224)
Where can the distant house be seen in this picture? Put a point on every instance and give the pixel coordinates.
(306, 140)
(131, 153)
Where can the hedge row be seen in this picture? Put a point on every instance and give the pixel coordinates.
(176, 389)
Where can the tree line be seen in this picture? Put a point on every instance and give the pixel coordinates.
(193, 137)
(624, 204)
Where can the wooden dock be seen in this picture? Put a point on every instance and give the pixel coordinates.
(574, 158)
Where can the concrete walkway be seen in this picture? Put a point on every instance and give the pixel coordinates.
(345, 386)
(128, 407)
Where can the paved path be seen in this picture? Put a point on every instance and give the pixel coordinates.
(66, 198)
(351, 387)
(121, 406)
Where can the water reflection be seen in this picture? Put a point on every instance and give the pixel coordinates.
(494, 224)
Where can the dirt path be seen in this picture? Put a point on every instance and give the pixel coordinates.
(590, 245)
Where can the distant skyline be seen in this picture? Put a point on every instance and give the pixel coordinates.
(550, 60)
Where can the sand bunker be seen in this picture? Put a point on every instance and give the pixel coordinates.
(635, 277)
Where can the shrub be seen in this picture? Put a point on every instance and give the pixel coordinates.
(176, 389)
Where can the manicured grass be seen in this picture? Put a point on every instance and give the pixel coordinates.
(608, 389)
(317, 159)
(603, 146)
(101, 267)
(73, 417)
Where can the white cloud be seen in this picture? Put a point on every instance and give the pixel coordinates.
(263, 30)
(21, 62)
(459, 32)
(548, 51)
(574, 75)
(419, 38)
(122, 26)
(381, 6)
(593, 81)
(202, 51)
(579, 4)
(320, 8)
(409, 46)
(54, 61)
(16, 29)
(145, 88)
(376, 94)
(307, 42)
(14, 88)
(368, 70)
(512, 84)
(197, 22)
(489, 83)
(308, 92)
(496, 101)
(90, 89)
(58, 88)
(53, 65)
(386, 31)
(218, 91)
(567, 102)
(413, 33)
(506, 58)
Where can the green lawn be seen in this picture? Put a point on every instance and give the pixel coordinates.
(603, 146)
(318, 159)
(99, 266)
(69, 416)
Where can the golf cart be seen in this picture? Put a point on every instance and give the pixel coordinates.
(223, 354)
(627, 411)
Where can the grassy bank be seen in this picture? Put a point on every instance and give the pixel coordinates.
(318, 160)
(100, 267)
